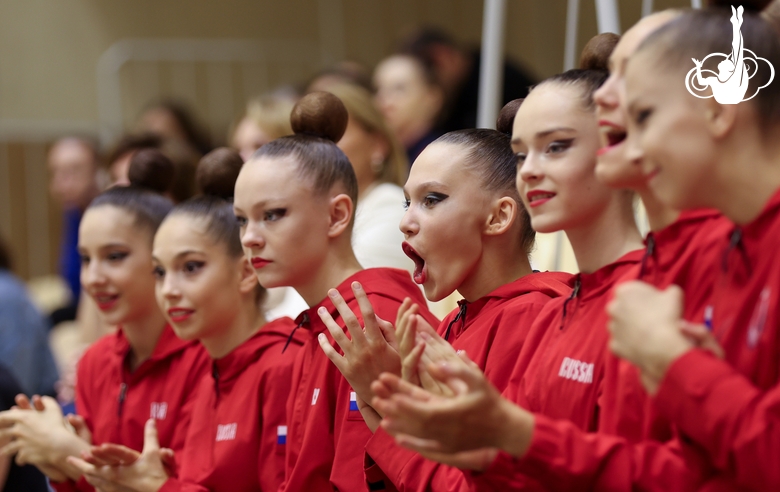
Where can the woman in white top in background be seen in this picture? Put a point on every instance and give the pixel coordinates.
(381, 168)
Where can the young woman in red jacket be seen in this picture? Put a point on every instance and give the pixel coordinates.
(209, 292)
(465, 177)
(143, 370)
(700, 153)
(561, 368)
(295, 202)
(567, 459)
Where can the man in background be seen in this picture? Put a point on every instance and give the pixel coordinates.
(457, 71)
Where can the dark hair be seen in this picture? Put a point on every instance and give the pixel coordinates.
(422, 43)
(319, 120)
(132, 143)
(196, 136)
(696, 33)
(5, 255)
(143, 197)
(592, 72)
(152, 169)
(595, 55)
(489, 154)
(217, 173)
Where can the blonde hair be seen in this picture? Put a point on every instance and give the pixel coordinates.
(272, 114)
(360, 106)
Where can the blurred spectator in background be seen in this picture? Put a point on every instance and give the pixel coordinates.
(173, 121)
(457, 70)
(267, 118)
(381, 168)
(24, 331)
(183, 157)
(410, 100)
(15, 478)
(123, 151)
(74, 181)
(345, 72)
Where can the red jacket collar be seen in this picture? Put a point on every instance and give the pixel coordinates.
(596, 283)
(270, 335)
(664, 246)
(391, 283)
(168, 344)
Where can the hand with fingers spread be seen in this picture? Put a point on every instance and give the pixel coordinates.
(645, 327)
(476, 417)
(36, 433)
(420, 345)
(115, 468)
(367, 353)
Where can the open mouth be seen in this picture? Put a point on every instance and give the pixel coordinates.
(613, 134)
(178, 315)
(537, 198)
(105, 301)
(420, 272)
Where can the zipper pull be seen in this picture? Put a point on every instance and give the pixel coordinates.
(215, 375)
(122, 396)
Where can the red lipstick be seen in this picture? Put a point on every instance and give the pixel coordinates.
(259, 263)
(537, 198)
(179, 315)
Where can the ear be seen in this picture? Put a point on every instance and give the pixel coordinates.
(247, 278)
(720, 118)
(341, 208)
(502, 216)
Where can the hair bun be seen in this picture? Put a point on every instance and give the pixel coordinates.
(150, 168)
(506, 117)
(217, 172)
(596, 53)
(320, 114)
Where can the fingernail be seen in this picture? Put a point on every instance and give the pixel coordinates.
(356, 286)
(322, 338)
(333, 293)
(322, 310)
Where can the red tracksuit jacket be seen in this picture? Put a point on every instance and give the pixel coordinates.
(491, 330)
(116, 403)
(326, 433)
(561, 368)
(236, 439)
(634, 447)
(731, 408)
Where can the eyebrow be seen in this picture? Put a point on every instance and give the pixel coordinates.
(542, 134)
(181, 254)
(428, 185)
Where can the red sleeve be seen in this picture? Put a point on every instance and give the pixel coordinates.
(175, 485)
(196, 365)
(407, 470)
(721, 410)
(275, 387)
(563, 457)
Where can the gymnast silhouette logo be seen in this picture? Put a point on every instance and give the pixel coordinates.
(730, 84)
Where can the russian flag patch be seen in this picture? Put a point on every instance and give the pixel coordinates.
(281, 434)
(353, 407)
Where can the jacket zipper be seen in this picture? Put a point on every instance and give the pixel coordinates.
(122, 397)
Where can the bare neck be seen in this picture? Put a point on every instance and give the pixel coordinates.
(612, 235)
(247, 321)
(752, 175)
(496, 267)
(143, 335)
(339, 264)
(659, 215)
